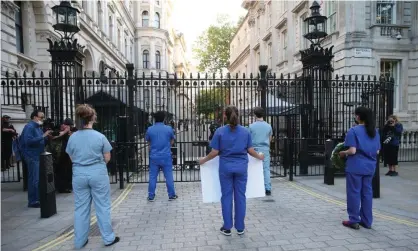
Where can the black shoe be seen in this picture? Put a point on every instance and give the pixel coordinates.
(268, 192)
(364, 225)
(394, 173)
(151, 199)
(36, 205)
(117, 239)
(175, 197)
(240, 232)
(225, 232)
(389, 173)
(355, 226)
(85, 244)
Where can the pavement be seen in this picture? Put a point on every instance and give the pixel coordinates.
(295, 217)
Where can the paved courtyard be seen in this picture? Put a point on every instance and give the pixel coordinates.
(294, 218)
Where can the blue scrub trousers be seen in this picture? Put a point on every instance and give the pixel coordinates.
(359, 198)
(33, 180)
(166, 164)
(91, 183)
(233, 183)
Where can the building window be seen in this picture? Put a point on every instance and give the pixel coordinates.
(269, 13)
(258, 26)
(99, 15)
(119, 41)
(146, 98)
(145, 19)
(131, 8)
(385, 12)
(390, 69)
(158, 98)
(303, 29)
(332, 16)
(157, 20)
(84, 5)
(126, 47)
(131, 54)
(158, 60)
(145, 59)
(111, 28)
(270, 56)
(19, 29)
(284, 42)
(257, 61)
(157, 3)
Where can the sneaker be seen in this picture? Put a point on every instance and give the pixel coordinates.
(175, 197)
(364, 225)
(151, 199)
(268, 192)
(225, 232)
(394, 173)
(389, 173)
(117, 239)
(240, 232)
(355, 226)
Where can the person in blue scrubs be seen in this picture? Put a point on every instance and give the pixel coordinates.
(89, 151)
(261, 133)
(232, 143)
(32, 145)
(363, 141)
(160, 138)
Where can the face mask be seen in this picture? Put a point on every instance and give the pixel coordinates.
(40, 122)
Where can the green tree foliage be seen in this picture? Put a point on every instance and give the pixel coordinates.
(212, 47)
(209, 102)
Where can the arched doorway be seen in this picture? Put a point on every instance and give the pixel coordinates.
(88, 62)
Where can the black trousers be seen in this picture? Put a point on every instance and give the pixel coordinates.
(63, 174)
(390, 154)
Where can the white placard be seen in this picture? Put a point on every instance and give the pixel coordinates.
(362, 53)
(211, 187)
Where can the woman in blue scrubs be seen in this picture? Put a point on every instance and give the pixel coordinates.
(89, 151)
(363, 141)
(232, 143)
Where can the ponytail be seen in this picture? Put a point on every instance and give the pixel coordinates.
(366, 116)
(231, 113)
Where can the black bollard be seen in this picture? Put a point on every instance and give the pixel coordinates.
(329, 169)
(376, 180)
(47, 186)
(303, 157)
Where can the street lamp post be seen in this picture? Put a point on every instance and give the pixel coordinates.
(67, 58)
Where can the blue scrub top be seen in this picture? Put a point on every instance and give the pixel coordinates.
(232, 146)
(260, 135)
(160, 136)
(86, 148)
(364, 161)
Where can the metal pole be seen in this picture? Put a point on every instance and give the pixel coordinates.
(376, 180)
(263, 85)
(329, 171)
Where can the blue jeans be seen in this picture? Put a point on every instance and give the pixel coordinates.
(33, 180)
(92, 184)
(166, 164)
(266, 168)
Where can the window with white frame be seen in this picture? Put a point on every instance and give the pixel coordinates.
(145, 19)
(157, 20)
(157, 60)
(111, 28)
(145, 59)
(269, 13)
(19, 28)
(258, 26)
(269, 48)
(257, 61)
(390, 69)
(331, 7)
(158, 98)
(386, 11)
(284, 43)
(303, 24)
(119, 40)
(126, 47)
(99, 14)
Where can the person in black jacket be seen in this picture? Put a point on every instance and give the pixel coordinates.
(8, 134)
(392, 133)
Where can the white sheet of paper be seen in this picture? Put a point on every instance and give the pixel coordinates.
(211, 187)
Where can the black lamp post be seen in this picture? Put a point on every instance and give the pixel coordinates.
(316, 28)
(66, 20)
(67, 62)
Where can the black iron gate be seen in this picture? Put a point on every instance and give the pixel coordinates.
(125, 105)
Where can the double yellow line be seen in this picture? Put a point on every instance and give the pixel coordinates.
(343, 204)
(93, 220)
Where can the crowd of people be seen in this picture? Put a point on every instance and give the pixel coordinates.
(80, 156)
